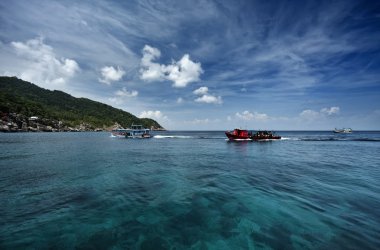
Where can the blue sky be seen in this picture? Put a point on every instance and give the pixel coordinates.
(205, 65)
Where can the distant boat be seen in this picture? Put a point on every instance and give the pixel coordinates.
(136, 131)
(241, 134)
(343, 130)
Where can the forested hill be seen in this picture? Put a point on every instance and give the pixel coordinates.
(25, 99)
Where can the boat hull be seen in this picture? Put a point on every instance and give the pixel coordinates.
(232, 136)
(258, 138)
(137, 131)
(238, 134)
(138, 136)
(343, 131)
(120, 133)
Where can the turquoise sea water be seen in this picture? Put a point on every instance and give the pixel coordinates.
(189, 190)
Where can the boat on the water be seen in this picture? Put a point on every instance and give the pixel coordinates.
(265, 135)
(343, 130)
(242, 134)
(239, 134)
(119, 132)
(136, 131)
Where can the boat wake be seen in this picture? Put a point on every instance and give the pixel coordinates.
(240, 140)
(211, 137)
(116, 136)
(289, 139)
(173, 137)
(309, 139)
(323, 138)
(314, 139)
(187, 137)
(340, 139)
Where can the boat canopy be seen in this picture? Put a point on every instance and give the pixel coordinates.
(137, 127)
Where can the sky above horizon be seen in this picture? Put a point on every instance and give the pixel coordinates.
(205, 65)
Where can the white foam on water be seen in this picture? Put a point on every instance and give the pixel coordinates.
(172, 136)
(241, 139)
(117, 136)
(289, 139)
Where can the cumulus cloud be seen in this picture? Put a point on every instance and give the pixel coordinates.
(121, 97)
(125, 93)
(309, 114)
(330, 111)
(152, 114)
(204, 97)
(204, 121)
(42, 65)
(209, 99)
(200, 121)
(181, 72)
(201, 91)
(246, 115)
(111, 74)
(151, 71)
(184, 72)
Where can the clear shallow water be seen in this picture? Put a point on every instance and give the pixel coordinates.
(180, 190)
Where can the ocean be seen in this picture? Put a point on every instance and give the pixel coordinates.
(189, 190)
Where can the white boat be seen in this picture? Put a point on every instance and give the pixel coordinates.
(119, 132)
(136, 131)
(343, 130)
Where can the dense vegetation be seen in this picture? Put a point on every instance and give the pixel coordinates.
(21, 97)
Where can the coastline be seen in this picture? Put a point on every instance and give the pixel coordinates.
(14, 123)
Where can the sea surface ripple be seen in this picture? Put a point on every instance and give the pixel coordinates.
(181, 190)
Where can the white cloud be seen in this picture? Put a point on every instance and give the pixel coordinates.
(116, 101)
(246, 115)
(330, 111)
(125, 93)
(42, 65)
(209, 99)
(152, 114)
(204, 97)
(197, 121)
(180, 100)
(201, 91)
(200, 121)
(121, 96)
(151, 71)
(181, 73)
(309, 114)
(184, 72)
(111, 74)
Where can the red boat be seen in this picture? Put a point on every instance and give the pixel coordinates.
(240, 134)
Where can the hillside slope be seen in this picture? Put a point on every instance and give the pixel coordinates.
(26, 99)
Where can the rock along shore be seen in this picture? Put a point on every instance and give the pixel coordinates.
(12, 122)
